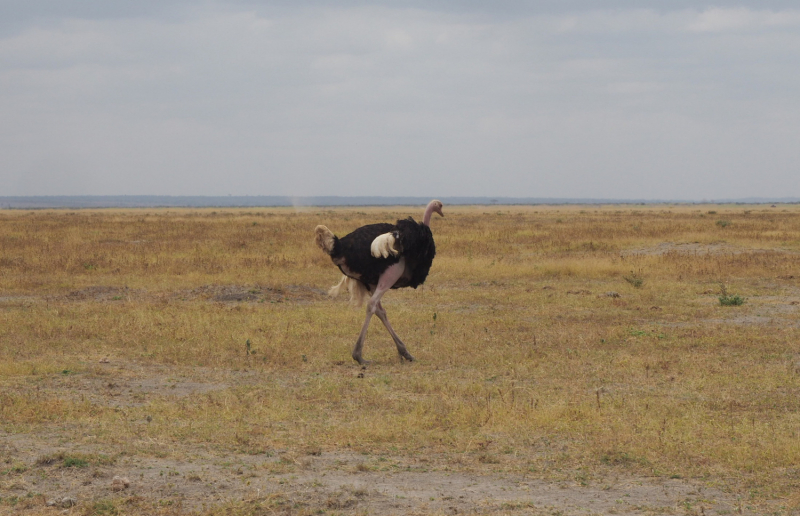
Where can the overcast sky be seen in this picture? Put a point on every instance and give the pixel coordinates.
(614, 99)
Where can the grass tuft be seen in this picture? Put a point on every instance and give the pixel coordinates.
(726, 299)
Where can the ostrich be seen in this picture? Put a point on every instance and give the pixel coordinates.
(378, 257)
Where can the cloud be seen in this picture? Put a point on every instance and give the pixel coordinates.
(402, 99)
(743, 19)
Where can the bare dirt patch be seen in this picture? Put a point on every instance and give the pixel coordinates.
(212, 293)
(131, 385)
(698, 249)
(779, 311)
(344, 483)
(254, 293)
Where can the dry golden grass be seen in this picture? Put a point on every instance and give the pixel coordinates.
(549, 340)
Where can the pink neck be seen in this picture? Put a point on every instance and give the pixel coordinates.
(426, 219)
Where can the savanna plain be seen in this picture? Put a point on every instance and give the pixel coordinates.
(570, 360)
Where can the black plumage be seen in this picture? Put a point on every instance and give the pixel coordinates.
(413, 241)
(378, 257)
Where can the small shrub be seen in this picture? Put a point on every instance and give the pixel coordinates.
(723, 223)
(726, 299)
(731, 300)
(75, 462)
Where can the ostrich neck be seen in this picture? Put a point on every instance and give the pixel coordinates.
(426, 219)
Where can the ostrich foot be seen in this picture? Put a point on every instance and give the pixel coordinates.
(406, 356)
(357, 358)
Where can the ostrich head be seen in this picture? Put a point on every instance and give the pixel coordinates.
(433, 206)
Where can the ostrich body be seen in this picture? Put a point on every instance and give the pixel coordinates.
(378, 257)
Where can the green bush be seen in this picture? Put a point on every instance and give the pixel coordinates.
(731, 300)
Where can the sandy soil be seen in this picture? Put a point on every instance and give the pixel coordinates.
(335, 482)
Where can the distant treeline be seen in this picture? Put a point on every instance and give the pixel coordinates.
(234, 201)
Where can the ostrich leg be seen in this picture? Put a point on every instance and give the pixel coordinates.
(385, 282)
(401, 348)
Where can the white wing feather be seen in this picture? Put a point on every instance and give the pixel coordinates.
(383, 246)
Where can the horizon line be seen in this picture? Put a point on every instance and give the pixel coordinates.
(233, 201)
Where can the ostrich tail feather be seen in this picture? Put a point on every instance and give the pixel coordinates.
(337, 289)
(324, 238)
(358, 292)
